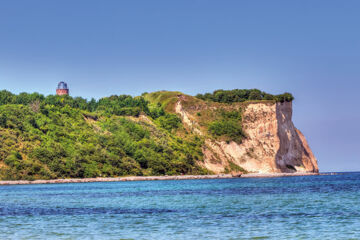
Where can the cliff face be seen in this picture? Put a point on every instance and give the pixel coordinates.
(272, 142)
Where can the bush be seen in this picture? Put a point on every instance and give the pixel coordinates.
(169, 121)
(286, 97)
(14, 160)
(228, 126)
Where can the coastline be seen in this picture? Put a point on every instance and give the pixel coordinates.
(154, 178)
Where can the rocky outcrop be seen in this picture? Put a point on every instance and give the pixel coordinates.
(272, 145)
(186, 119)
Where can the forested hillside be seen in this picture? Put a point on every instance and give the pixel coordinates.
(46, 137)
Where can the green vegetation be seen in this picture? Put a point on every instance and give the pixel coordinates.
(242, 95)
(228, 126)
(169, 121)
(47, 137)
(220, 124)
(166, 99)
(234, 168)
(62, 137)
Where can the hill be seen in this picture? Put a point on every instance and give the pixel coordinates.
(160, 133)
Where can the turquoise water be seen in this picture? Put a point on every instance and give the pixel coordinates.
(309, 207)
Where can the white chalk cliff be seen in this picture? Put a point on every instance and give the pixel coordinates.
(272, 142)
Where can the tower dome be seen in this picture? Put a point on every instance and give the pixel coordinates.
(62, 89)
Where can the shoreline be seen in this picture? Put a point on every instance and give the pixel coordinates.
(154, 178)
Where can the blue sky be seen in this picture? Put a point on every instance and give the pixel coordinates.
(309, 48)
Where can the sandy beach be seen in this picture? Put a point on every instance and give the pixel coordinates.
(154, 178)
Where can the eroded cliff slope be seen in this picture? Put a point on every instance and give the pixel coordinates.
(271, 142)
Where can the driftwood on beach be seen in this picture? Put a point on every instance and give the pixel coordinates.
(153, 178)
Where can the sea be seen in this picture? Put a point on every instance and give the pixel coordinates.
(301, 207)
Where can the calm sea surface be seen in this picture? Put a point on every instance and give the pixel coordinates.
(310, 207)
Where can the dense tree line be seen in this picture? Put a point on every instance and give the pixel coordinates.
(119, 105)
(242, 95)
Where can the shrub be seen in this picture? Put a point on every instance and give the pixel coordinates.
(169, 121)
(228, 126)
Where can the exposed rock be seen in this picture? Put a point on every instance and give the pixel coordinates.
(272, 145)
(186, 119)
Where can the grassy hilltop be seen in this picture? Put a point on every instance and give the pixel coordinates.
(62, 137)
